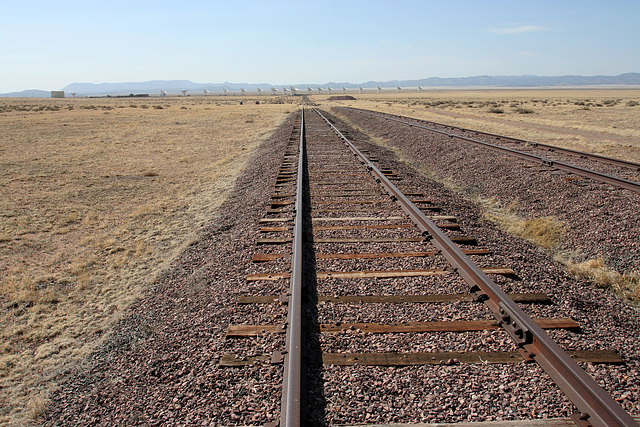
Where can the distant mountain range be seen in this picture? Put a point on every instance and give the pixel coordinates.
(175, 86)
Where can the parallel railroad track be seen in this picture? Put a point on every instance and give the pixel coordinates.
(616, 172)
(350, 251)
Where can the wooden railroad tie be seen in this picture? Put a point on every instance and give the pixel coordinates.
(276, 204)
(364, 202)
(270, 220)
(529, 298)
(431, 358)
(373, 255)
(447, 225)
(371, 274)
(352, 209)
(374, 218)
(457, 239)
(330, 193)
(345, 192)
(404, 327)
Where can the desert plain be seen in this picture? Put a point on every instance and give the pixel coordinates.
(101, 195)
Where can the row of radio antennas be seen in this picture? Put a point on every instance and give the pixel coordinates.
(291, 90)
(360, 89)
(207, 91)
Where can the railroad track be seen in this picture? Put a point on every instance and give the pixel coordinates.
(352, 252)
(616, 172)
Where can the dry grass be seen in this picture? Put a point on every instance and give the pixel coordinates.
(98, 197)
(601, 121)
(596, 271)
(545, 232)
(605, 122)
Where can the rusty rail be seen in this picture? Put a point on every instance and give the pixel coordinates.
(595, 405)
(292, 381)
(577, 170)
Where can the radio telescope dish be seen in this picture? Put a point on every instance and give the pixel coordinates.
(225, 91)
(184, 92)
(205, 92)
(273, 90)
(360, 90)
(344, 89)
(320, 89)
(243, 91)
(163, 93)
(419, 89)
(379, 89)
(259, 91)
(399, 88)
(329, 89)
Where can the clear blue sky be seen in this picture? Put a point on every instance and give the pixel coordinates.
(49, 44)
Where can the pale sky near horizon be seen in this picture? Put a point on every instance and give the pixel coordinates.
(50, 44)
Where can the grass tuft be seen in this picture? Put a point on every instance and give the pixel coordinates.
(544, 232)
(36, 407)
(597, 272)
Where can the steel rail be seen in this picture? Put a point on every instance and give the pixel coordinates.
(577, 170)
(290, 414)
(596, 406)
(602, 159)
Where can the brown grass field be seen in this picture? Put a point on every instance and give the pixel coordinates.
(99, 196)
